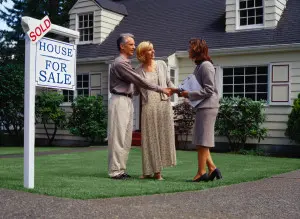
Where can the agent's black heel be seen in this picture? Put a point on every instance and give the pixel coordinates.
(203, 178)
(215, 174)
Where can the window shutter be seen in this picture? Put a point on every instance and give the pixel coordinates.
(95, 83)
(279, 84)
(219, 79)
(173, 74)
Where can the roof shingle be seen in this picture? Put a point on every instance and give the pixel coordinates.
(169, 24)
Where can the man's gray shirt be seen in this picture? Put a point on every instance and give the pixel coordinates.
(123, 78)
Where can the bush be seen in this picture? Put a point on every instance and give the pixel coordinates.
(88, 118)
(240, 119)
(184, 117)
(12, 98)
(48, 111)
(293, 124)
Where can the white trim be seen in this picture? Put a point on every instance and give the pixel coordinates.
(247, 50)
(77, 27)
(103, 59)
(248, 27)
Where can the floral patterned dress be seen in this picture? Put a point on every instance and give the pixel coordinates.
(157, 126)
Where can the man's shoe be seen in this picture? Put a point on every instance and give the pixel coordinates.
(119, 177)
(126, 175)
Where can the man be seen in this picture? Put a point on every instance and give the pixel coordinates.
(120, 110)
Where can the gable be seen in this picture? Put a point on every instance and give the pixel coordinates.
(93, 21)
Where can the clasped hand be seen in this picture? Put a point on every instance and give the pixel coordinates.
(169, 91)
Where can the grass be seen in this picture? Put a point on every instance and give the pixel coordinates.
(20, 150)
(84, 175)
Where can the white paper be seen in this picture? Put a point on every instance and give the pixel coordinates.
(190, 83)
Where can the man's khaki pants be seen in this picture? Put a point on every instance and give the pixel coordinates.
(120, 120)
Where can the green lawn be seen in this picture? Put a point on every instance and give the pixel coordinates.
(20, 150)
(84, 175)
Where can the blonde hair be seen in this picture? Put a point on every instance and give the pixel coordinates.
(141, 48)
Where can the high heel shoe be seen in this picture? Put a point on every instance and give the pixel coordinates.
(204, 178)
(215, 174)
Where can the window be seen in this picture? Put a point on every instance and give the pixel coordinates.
(83, 81)
(85, 27)
(250, 82)
(68, 95)
(88, 84)
(251, 12)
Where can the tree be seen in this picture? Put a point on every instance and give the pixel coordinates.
(12, 50)
(49, 112)
(12, 45)
(12, 98)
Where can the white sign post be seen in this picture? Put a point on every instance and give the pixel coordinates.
(48, 63)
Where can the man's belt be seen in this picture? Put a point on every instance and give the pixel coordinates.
(122, 94)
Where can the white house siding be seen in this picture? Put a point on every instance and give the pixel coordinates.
(230, 15)
(277, 116)
(99, 81)
(273, 10)
(109, 20)
(104, 21)
(100, 69)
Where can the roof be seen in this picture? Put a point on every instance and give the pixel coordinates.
(112, 6)
(169, 24)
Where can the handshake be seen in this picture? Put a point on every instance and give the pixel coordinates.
(169, 91)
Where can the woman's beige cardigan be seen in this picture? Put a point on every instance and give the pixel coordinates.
(163, 80)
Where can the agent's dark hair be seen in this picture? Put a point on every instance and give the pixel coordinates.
(198, 50)
(122, 39)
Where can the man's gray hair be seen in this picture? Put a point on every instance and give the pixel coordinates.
(122, 39)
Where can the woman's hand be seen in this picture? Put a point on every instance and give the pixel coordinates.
(184, 94)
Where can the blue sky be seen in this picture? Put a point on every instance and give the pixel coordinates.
(7, 4)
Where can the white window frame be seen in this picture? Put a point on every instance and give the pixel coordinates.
(77, 27)
(245, 66)
(173, 103)
(252, 26)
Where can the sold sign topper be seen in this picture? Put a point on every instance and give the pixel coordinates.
(37, 31)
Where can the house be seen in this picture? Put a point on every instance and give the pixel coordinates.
(255, 46)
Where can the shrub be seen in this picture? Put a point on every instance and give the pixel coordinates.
(88, 118)
(184, 117)
(240, 119)
(48, 111)
(293, 124)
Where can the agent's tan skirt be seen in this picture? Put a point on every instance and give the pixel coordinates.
(204, 127)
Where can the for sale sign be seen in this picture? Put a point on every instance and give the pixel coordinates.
(55, 64)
